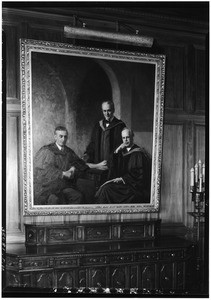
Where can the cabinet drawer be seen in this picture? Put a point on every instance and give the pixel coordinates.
(11, 262)
(173, 254)
(98, 233)
(148, 256)
(59, 235)
(34, 263)
(131, 231)
(94, 260)
(66, 262)
(121, 258)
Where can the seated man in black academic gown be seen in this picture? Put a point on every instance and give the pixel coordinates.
(59, 174)
(106, 136)
(130, 174)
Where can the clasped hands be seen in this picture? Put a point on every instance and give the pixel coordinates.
(100, 166)
(69, 173)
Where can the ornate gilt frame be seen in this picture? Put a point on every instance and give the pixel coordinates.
(26, 48)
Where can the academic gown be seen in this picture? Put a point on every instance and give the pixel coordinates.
(135, 169)
(104, 140)
(49, 164)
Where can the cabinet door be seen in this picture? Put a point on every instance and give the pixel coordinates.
(97, 277)
(180, 275)
(133, 277)
(66, 278)
(43, 279)
(39, 279)
(166, 276)
(147, 279)
(82, 278)
(118, 277)
(12, 278)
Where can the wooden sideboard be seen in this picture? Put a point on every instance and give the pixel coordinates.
(160, 264)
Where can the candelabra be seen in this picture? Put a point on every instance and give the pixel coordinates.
(197, 190)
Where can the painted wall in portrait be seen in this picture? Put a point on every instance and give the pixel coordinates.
(69, 90)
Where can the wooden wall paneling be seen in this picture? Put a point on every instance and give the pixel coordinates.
(199, 142)
(172, 174)
(183, 98)
(14, 221)
(11, 59)
(189, 162)
(45, 32)
(201, 82)
(174, 77)
(190, 79)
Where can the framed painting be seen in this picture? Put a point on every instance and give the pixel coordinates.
(65, 84)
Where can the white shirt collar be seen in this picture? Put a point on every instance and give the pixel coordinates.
(60, 147)
(129, 148)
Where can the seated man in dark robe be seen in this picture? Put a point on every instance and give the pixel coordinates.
(105, 138)
(129, 174)
(59, 174)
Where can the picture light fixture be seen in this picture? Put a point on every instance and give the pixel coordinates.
(112, 37)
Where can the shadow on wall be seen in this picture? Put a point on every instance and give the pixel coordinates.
(66, 91)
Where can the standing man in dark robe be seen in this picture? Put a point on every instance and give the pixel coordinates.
(130, 174)
(57, 170)
(106, 136)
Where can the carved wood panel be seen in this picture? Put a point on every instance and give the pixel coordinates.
(201, 83)
(11, 61)
(180, 276)
(12, 279)
(134, 273)
(174, 77)
(190, 83)
(12, 189)
(66, 278)
(199, 143)
(82, 278)
(26, 280)
(118, 277)
(172, 174)
(43, 279)
(45, 32)
(148, 277)
(166, 276)
(97, 277)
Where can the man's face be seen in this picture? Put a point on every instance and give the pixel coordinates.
(61, 137)
(127, 138)
(107, 110)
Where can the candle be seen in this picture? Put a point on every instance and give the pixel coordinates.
(192, 177)
(200, 171)
(200, 183)
(203, 173)
(196, 173)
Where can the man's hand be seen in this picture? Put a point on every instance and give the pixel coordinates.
(118, 180)
(69, 173)
(102, 165)
(122, 146)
